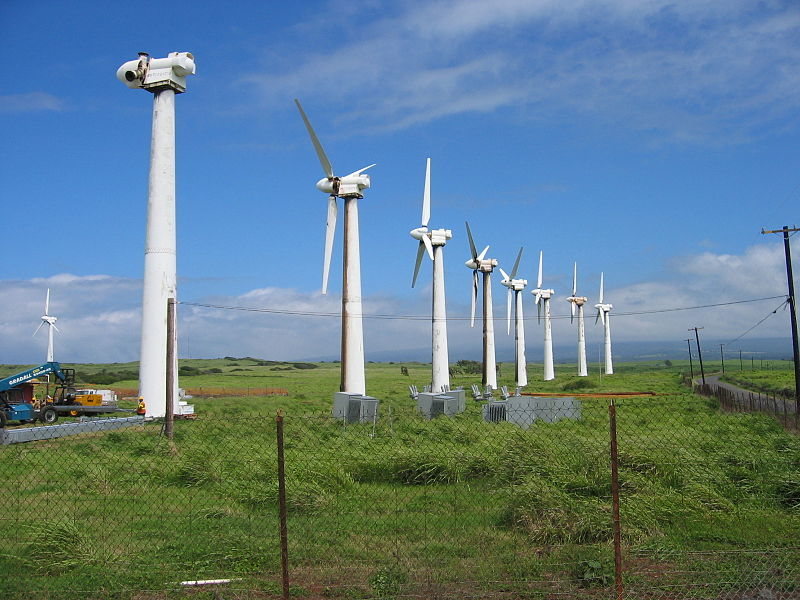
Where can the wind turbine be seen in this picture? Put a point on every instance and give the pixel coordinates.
(485, 266)
(543, 305)
(515, 286)
(433, 241)
(578, 301)
(349, 188)
(164, 78)
(604, 315)
(51, 323)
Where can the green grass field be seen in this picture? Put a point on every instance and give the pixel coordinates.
(710, 502)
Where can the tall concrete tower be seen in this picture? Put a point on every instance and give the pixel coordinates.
(164, 77)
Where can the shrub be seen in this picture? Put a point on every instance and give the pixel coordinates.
(304, 365)
(577, 384)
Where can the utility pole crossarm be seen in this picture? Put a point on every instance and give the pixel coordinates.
(787, 229)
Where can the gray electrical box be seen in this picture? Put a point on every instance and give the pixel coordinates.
(524, 410)
(433, 405)
(355, 408)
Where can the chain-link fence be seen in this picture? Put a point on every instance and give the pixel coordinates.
(703, 503)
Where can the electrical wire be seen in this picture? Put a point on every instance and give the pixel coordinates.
(337, 314)
(769, 314)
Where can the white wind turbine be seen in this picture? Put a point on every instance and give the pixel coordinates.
(543, 305)
(51, 325)
(515, 287)
(604, 315)
(349, 188)
(485, 266)
(434, 241)
(578, 301)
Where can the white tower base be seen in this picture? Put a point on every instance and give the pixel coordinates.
(489, 361)
(440, 367)
(607, 343)
(353, 380)
(582, 370)
(519, 330)
(549, 372)
(159, 259)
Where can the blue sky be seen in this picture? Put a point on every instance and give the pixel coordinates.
(648, 139)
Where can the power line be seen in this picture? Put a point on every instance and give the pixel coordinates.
(279, 311)
(769, 314)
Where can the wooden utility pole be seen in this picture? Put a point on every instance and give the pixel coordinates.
(792, 308)
(169, 415)
(699, 354)
(691, 366)
(722, 356)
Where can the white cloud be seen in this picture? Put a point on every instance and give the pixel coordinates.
(691, 71)
(30, 102)
(99, 316)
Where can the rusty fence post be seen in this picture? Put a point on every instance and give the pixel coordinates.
(620, 589)
(282, 507)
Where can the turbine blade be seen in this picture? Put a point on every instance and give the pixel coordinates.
(426, 195)
(474, 297)
(428, 246)
(420, 253)
(505, 275)
(539, 279)
(38, 328)
(508, 309)
(597, 316)
(360, 171)
(538, 310)
(482, 254)
(472, 249)
(56, 328)
(572, 310)
(575, 279)
(516, 264)
(323, 158)
(330, 229)
(601, 287)
(47, 303)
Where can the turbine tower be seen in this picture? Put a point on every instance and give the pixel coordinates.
(433, 242)
(51, 325)
(485, 266)
(164, 77)
(349, 188)
(515, 287)
(543, 305)
(578, 301)
(604, 315)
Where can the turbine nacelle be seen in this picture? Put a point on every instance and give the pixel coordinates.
(514, 284)
(602, 312)
(542, 294)
(480, 264)
(349, 186)
(578, 300)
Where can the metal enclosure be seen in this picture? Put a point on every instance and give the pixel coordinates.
(355, 408)
(524, 410)
(448, 404)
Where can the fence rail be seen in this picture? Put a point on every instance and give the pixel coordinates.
(632, 498)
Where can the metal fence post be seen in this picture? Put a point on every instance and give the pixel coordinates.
(620, 589)
(282, 507)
